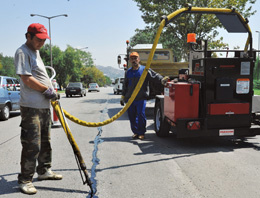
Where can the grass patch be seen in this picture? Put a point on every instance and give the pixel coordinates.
(256, 91)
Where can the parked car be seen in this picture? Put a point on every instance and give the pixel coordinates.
(9, 96)
(75, 88)
(93, 87)
(118, 85)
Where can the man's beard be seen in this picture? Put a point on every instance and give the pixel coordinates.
(135, 64)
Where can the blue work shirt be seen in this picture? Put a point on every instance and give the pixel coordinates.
(131, 79)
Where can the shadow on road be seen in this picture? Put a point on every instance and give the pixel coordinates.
(181, 148)
(13, 114)
(11, 187)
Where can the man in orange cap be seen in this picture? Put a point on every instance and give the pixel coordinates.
(136, 112)
(36, 93)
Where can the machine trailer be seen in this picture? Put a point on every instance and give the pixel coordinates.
(214, 97)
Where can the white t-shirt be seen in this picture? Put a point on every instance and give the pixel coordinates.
(29, 62)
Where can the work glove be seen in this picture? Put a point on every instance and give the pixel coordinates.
(165, 80)
(51, 94)
(175, 80)
(57, 97)
(122, 101)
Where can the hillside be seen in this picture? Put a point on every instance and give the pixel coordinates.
(111, 72)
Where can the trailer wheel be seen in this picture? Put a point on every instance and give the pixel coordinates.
(161, 126)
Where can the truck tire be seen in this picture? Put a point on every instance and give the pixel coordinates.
(5, 113)
(161, 126)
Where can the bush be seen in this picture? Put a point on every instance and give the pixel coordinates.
(256, 84)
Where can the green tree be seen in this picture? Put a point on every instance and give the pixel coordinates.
(67, 64)
(59, 66)
(60, 69)
(1, 65)
(7, 67)
(70, 65)
(174, 36)
(92, 74)
(257, 69)
(45, 54)
(73, 65)
(145, 36)
(108, 80)
(85, 57)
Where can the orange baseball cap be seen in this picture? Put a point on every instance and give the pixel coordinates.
(134, 54)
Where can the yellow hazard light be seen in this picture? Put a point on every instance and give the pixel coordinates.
(191, 38)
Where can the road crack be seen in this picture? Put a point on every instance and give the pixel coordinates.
(95, 159)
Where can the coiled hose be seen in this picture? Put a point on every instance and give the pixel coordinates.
(134, 94)
(142, 78)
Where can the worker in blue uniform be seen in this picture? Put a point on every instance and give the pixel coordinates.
(136, 111)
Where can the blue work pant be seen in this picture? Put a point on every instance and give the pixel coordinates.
(136, 114)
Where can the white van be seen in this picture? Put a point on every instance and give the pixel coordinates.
(118, 85)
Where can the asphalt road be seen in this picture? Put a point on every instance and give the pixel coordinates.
(122, 167)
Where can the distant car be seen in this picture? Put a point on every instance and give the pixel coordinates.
(118, 85)
(75, 88)
(9, 96)
(93, 87)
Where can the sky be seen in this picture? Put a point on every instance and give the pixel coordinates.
(102, 26)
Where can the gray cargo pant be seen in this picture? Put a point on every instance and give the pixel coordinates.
(35, 139)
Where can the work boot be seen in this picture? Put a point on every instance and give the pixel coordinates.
(135, 136)
(141, 137)
(28, 188)
(49, 175)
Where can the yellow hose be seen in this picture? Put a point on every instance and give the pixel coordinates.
(142, 78)
(134, 94)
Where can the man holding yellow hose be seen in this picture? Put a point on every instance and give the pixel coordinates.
(136, 112)
(36, 93)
